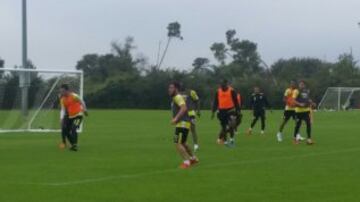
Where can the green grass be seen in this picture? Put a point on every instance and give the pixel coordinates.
(129, 156)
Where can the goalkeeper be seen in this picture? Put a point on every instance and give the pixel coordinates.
(71, 115)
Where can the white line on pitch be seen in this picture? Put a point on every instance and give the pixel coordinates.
(136, 175)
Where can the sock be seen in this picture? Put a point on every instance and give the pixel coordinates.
(187, 162)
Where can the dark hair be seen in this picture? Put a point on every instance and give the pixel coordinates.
(224, 81)
(65, 86)
(302, 81)
(176, 84)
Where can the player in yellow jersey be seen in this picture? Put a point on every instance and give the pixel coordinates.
(303, 104)
(193, 104)
(182, 124)
(289, 112)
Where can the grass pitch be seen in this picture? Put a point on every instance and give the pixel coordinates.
(129, 156)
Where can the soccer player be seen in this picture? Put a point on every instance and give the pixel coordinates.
(258, 103)
(289, 112)
(226, 103)
(303, 108)
(181, 121)
(72, 110)
(239, 115)
(193, 105)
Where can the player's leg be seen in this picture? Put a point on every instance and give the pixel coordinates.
(299, 118)
(193, 158)
(263, 124)
(65, 133)
(308, 128)
(253, 123)
(180, 144)
(286, 118)
(194, 132)
(223, 122)
(75, 125)
(238, 121)
(232, 126)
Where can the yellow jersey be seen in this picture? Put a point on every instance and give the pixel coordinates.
(302, 96)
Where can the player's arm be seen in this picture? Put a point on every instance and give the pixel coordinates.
(194, 96)
(312, 103)
(251, 102)
(77, 97)
(297, 103)
(286, 95)
(240, 100)
(215, 105)
(235, 101)
(84, 107)
(62, 112)
(266, 102)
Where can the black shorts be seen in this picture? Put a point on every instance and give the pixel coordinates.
(192, 119)
(181, 135)
(225, 116)
(259, 113)
(72, 123)
(289, 114)
(303, 116)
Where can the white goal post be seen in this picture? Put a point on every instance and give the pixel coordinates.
(340, 98)
(29, 98)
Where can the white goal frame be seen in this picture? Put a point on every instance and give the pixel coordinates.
(29, 129)
(339, 90)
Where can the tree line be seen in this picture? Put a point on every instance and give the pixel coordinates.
(120, 79)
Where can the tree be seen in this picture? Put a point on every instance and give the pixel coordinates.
(219, 50)
(200, 63)
(174, 32)
(2, 63)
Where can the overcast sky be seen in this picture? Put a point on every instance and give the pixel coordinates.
(62, 31)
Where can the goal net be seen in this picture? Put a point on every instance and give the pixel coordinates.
(340, 98)
(29, 98)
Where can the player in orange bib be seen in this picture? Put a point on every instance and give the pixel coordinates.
(227, 106)
(71, 115)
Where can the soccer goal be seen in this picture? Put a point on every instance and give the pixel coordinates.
(29, 98)
(340, 98)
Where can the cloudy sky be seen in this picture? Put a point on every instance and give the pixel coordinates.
(61, 31)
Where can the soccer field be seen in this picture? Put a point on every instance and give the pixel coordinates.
(129, 156)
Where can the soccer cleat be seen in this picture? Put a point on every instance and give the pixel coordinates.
(62, 146)
(262, 132)
(309, 142)
(296, 141)
(184, 166)
(196, 147)
(299, 137)
(194, 161)
(220, 141)
(279, 137)
(73, 148)
(231, 144)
